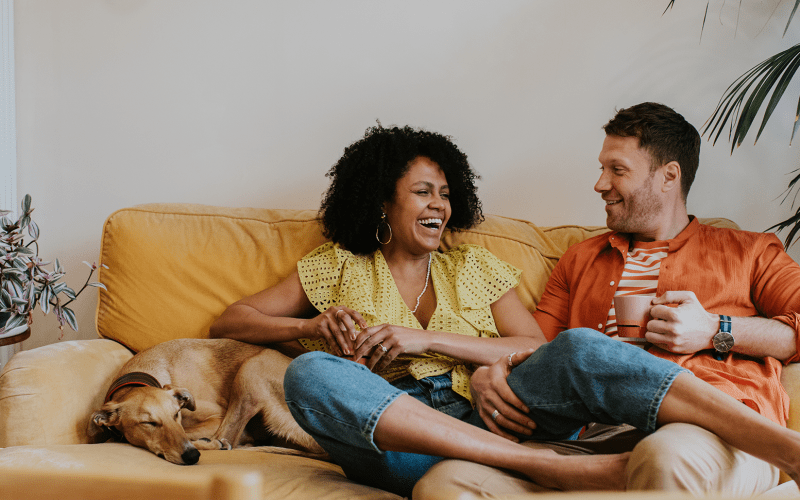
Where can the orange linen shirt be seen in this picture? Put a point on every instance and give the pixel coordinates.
(736, 273)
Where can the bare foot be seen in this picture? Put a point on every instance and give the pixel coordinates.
(582, 472)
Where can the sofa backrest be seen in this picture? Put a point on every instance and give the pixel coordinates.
(173, 268)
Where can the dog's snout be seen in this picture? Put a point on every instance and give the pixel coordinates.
(190, 456)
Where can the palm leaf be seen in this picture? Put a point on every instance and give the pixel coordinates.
(763, 85)
(796, 4)
(742, 100)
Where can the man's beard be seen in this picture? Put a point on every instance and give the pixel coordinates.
(640, 211)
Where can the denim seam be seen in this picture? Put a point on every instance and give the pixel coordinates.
(368, 431)
(658, 397)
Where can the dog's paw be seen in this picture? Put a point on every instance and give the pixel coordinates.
(211, 444)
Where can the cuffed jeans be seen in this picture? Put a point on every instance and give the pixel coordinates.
(580, 377)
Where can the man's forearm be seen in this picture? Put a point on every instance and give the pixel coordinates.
(761, 337)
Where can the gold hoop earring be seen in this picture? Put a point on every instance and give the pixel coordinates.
(378, 230)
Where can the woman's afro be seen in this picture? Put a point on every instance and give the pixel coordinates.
(365, 177)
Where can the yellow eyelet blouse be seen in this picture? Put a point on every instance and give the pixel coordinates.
(467, 279)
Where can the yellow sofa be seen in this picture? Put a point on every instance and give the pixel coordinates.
(172, 269)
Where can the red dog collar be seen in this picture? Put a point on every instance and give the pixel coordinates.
(140, 379)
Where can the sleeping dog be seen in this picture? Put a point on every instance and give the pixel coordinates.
(186, 395)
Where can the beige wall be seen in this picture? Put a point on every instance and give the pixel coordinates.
(248, 102)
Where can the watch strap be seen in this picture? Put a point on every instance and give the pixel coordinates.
(724, 327)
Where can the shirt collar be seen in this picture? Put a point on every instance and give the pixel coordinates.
(622, 241)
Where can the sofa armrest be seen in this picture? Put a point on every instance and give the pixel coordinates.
(47, 394)
(790, 378)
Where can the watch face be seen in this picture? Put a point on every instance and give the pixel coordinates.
(723, 341)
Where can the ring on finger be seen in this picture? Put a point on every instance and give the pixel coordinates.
(495, 414)
(337, 313)
(383, 348)
(510, 362)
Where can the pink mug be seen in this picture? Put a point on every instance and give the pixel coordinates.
(633, 313)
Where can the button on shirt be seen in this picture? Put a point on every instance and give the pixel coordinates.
(737, 273)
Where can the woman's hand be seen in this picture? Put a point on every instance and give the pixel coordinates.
(337, 327)
(493, 396)
(381, 344)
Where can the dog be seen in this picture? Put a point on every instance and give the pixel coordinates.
(186, 395)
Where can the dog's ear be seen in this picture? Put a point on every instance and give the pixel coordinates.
(100, 421)
(182, 396)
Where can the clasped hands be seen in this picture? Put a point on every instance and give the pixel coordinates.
(347, 334)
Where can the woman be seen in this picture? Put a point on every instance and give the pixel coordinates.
(382, 295)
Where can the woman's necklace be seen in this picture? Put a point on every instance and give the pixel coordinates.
(427, 278)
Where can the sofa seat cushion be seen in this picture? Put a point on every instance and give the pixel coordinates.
(284, 476)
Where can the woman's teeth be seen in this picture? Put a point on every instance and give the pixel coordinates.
(431, 223)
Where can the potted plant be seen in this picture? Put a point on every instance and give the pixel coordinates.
(25, 281)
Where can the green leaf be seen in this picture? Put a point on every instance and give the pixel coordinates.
(13, 270)
(98, 285)
(58, 267)
(796, 122)
(791, 16)
(16, 320)
(14, 287)
(69, 317)
(742, 100)
(780, 88)
(25, 251)
(26, 204)
(44, 301)
(70, 293)
(33, 230)
(30, 293)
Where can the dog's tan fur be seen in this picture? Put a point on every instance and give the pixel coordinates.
(211, 389)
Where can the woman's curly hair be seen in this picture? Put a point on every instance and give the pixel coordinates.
(366, 175)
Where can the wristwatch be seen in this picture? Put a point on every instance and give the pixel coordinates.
(723, 340)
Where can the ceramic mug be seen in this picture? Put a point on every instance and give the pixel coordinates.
(633, 313)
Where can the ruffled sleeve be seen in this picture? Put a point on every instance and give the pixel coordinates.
(482, 278)
(321, 277)
(321, 274)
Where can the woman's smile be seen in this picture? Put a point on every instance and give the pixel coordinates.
(420, 209)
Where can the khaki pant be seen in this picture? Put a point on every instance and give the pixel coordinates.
(677, 457)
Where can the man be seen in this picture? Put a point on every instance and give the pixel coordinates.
(725, 306)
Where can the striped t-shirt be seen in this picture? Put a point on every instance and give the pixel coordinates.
(640, 275)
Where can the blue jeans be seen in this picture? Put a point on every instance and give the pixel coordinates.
(580, 377)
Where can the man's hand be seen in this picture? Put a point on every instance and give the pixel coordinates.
(490, 392)
(680, 324)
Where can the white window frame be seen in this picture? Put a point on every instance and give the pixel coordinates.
(8, 130)
(8, 109)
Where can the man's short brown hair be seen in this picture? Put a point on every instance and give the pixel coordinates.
(662, 132)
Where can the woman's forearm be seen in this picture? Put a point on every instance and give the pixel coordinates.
(479, 350)
(244, 323)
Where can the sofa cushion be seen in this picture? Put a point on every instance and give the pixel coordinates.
(47, 394)
(173, 268)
